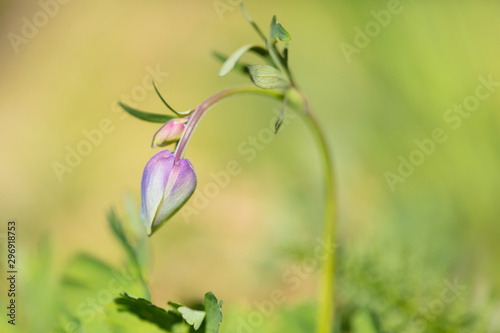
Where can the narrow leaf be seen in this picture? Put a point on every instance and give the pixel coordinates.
(239, 67)
(267, 77)
(151, 117)
(130, 247)
(279, 121)
(285, 54)
(192, 317)
(163, 100)
(233, 59)
(213, 313)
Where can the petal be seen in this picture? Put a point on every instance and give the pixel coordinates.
(154, 180)
(179, 188)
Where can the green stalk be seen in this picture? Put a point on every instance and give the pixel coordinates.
(326, 291)
(327, 287)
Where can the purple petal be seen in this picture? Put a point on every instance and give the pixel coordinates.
(154, 180)
(179, 188)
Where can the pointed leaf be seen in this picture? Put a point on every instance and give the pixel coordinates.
(147, 311)
(267, 77)
(213, 313)
(151, 117)
(285, 54)
(233, 59)
(192, 317)
(279, 121)
(130, 247)
(277, 31)
(239, 67)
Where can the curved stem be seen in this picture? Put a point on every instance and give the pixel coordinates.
(327, 288)
(198, 113)
(326, 291)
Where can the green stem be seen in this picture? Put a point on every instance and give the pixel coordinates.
(326, 291)
(327, 288)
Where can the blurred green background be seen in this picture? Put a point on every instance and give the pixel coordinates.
(440, 224)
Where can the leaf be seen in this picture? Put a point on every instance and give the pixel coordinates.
(151, 117)
(233, 59)
(239, 67)
(168, 106)
(267, 77)
(147, 311)
(116, 226)
(192, 317)
(285, 54)
(130, 248)
(277, 31)
(163, 100)
(279, 121)
(213, 313)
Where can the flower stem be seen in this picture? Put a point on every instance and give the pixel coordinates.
(326, 291)
(200, 110)
(327, 287)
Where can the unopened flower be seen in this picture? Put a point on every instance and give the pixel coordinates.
(169, 132)
(166, 186)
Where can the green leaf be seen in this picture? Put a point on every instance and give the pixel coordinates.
(233, 59)
(192, 317)
(277, 31)
(168, 106)
(130, 248)
(267, 77)
(285, 54)
(213, 313)
(151, 117)
(279, 121)
(239, 67)
(145, 310)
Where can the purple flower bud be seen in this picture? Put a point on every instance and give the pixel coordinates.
(169, 132)
(166, 186)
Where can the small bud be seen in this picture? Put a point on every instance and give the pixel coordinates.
(169, 132)
(166, 186)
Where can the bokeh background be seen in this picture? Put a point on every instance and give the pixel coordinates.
(440, 224)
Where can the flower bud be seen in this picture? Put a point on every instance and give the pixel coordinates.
(166, 186)
(169, 132)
